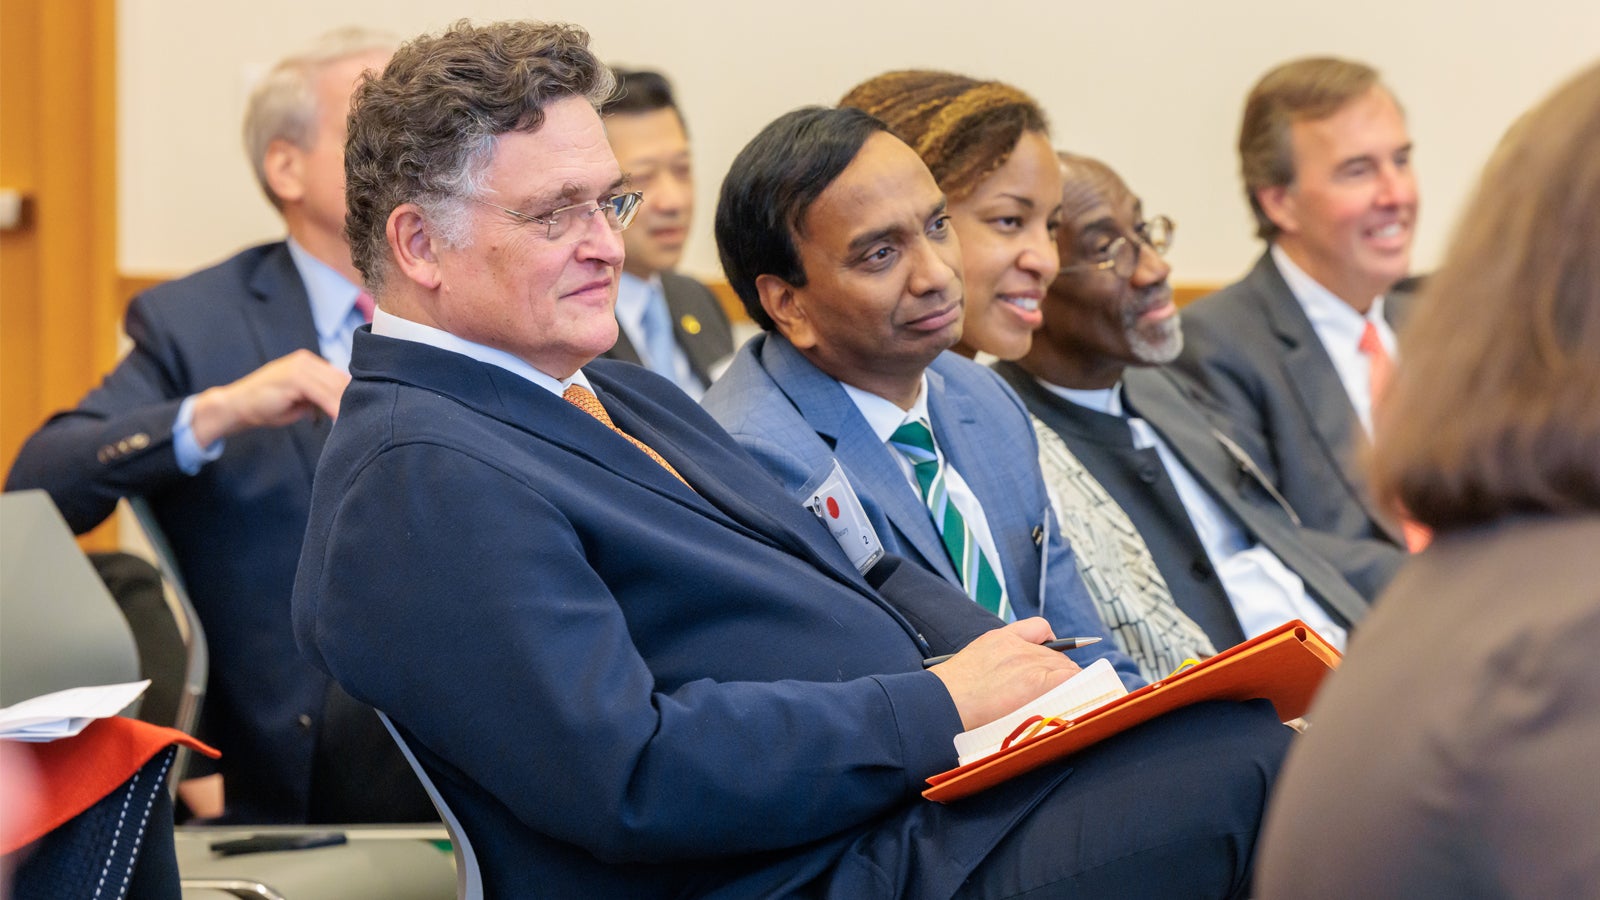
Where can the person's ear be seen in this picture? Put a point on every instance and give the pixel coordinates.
(785, 305)
(1280, 205)
(411, 244)
(284, 166)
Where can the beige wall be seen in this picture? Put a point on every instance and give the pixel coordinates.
(1153, 87)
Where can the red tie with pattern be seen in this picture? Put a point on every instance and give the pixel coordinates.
(1380, 371)
(584, 399)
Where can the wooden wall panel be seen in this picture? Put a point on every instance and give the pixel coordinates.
(58, 306)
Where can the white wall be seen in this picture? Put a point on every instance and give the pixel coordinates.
(1153, 87)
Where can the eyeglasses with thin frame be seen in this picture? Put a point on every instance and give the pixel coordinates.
(618, 209)
(1121, 256)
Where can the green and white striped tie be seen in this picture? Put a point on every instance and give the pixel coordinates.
(914, 440)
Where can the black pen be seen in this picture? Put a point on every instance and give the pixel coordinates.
(1057, 644)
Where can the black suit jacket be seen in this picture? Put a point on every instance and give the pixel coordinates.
(235, 527)
(1255, 353)
(698, 321)
(1341, 574)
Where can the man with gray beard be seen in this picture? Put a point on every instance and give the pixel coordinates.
(1188, 548)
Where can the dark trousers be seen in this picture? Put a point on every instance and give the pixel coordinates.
(1169, 809)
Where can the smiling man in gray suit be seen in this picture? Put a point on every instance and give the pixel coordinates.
(1294, 352)
(857, 285)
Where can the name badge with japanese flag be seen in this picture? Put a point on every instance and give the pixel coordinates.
(836, 504)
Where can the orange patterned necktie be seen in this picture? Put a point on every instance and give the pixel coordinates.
(584, 399)
(1380, 371)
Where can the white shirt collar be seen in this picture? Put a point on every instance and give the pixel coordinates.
(1105, 400)
(392, 326)
(884, 416)
(1333, 319)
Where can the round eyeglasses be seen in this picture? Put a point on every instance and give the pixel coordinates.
(618, 209)
(1121, 256)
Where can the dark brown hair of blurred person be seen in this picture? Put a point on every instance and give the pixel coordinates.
(1302, 90)
(1496, 408)
(963, 128)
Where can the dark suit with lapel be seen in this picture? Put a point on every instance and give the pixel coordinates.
(1254, 351)
(698, 322)
(796, 420)
(626, 687)
(235, 527)
(1136, 479)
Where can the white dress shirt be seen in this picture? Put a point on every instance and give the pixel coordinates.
(1263, 591)
(392, 326)
(1339, 327)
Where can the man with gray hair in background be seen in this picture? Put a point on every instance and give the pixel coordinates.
(216, 417)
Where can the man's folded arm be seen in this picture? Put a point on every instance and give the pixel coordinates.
(116, 442)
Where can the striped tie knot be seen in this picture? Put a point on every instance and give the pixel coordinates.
(914, 441)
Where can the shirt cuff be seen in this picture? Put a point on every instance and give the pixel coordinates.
(191, 456)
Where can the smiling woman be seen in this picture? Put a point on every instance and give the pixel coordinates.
(988, 147)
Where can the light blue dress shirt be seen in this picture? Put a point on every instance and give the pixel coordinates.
(333, 313)
(635, 299)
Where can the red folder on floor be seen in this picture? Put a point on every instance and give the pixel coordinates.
(1285, 665)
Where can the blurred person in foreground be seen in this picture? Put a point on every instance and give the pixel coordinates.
(1453, 751)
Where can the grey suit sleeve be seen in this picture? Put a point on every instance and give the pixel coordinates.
(1226, 384)
(118, 440)
(1368, 565)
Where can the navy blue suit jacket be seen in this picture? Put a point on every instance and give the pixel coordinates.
(796, 420)
(587, 654)
(235, 527)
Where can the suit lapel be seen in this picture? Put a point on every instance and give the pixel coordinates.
(1192, 438)
(1317, 387)
(728, 485)
(280, 321)
(877, 477)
